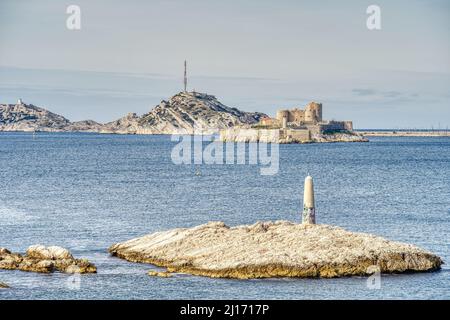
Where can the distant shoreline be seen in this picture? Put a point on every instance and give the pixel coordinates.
(403, 133)
(365, 133)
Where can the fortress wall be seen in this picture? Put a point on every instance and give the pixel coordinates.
(269, 135)
(314, 129)
(336, 126)
(348, 125)
(296, 115)
(298, 135)
(250, 135)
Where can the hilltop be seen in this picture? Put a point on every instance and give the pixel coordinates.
(188, 110)
(28, 117)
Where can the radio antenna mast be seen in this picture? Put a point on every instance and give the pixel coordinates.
(185, 76)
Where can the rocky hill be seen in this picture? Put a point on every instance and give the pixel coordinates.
(183, 113)
(27, 117)
(180, 114)
(188, 110)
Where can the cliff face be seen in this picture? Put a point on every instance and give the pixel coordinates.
(180, 114)
(238, 134)
(23, 117)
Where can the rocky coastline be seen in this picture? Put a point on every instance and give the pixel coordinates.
(244, 135)
(273, 249)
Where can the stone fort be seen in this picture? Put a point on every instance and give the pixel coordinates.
(312, 114)
(302, 123)
(308, 118)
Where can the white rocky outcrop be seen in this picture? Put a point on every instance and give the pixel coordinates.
(248, 134)
(339, 137)
(274, 249)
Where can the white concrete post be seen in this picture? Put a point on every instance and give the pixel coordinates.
(309, 210)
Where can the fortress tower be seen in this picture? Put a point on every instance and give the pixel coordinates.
(282, 114)
(313, 112)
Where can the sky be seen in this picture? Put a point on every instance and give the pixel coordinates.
(256, 55)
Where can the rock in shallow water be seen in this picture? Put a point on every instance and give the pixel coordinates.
(43, 259)
(50, 253)
(162, 274)
(3, 285)
(274, 249)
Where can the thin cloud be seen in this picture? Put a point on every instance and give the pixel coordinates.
(364, 92)
(392, 94)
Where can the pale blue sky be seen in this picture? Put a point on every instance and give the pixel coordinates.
(257, 55)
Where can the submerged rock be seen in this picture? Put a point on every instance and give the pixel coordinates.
(3, 285)
(274, 249)
(162, 274)
(43, 259)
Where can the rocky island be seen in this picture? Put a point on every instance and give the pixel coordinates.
(274, 249)
(193, 113)
(294, 126)
(43, 259)
(180, 114)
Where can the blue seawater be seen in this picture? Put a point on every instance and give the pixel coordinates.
(88, 191)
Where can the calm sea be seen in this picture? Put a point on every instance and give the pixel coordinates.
(88, 191)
